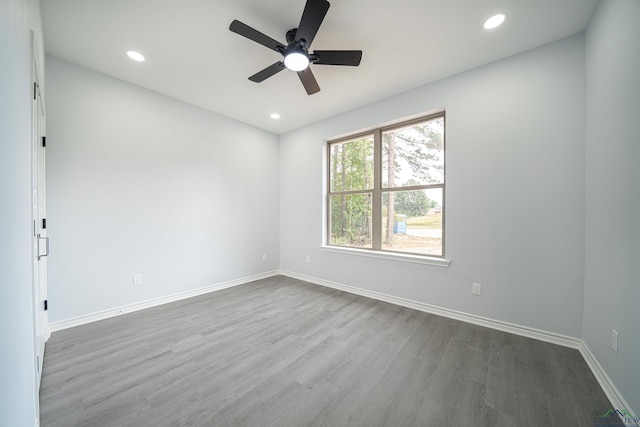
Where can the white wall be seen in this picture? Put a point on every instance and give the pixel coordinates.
(18, 395)
(612, 270)
(142, 183)
(515, 193)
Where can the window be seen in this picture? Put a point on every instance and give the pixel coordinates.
(386, 189)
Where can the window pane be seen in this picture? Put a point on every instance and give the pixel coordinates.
(351, 220)
(351, 165)
(412, 221)
(413, 155)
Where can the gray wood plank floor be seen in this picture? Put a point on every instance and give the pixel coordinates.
(283, 352)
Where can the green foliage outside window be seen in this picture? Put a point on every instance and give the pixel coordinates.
(411, 187)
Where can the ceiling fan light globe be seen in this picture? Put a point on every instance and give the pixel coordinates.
(296, 61)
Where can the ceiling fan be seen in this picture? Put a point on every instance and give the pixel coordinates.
(296, 56)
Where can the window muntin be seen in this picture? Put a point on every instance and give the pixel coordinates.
(386, 189)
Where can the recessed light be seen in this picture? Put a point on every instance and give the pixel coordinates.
(494, 21)
(136, 56)
(275, 116)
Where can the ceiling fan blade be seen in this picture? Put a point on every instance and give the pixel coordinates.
(267, 72)
(255, 35)
(312, 17)
(338, 57)
(308, 81)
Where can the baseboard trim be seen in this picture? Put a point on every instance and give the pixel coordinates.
(610, 390)
(525, 331)
(117, 311)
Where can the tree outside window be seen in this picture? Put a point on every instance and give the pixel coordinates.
(386, 189)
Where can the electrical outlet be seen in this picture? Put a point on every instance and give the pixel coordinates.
(477, 289)
(264, 257)
(307, 259)
(137, 279)
(614, 340)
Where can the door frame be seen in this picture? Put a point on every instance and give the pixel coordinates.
(41, 331)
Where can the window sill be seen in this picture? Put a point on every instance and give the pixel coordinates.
(416, 259)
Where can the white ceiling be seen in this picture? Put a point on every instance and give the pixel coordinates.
(192, 55)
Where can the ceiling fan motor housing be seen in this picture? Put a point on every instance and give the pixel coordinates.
(291, 35)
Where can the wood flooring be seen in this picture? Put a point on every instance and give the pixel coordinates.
(283, 352)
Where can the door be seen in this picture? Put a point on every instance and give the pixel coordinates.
(40, 239)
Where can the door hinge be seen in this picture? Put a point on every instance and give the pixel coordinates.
(44, 222)
(46, 305)
(44, 141)
(35, 90)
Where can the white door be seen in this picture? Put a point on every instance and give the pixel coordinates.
(40, 239)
